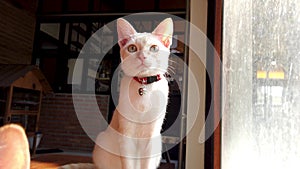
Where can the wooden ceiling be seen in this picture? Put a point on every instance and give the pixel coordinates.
(96, 6)
(27, 5)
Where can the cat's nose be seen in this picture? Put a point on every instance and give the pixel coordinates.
(142, 57)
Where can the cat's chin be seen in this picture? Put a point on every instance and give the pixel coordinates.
(144, 73)
(149, 73)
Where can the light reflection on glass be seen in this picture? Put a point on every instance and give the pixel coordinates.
(261, 103)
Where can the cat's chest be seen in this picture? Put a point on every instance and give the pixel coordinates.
(148, 106)
(131, 90)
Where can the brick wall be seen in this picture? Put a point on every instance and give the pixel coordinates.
(17, 27)
(60, 125)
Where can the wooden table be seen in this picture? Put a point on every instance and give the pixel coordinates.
(53, 161)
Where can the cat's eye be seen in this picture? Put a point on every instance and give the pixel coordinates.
(154, 48)
(132, 48)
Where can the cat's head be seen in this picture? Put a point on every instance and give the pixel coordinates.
(144, 54)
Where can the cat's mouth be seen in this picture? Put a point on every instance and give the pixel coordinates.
(144, 66)
(145, 63)
(141, 69)
(149, 71)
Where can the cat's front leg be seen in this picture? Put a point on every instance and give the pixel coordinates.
(128, 152)
(151, 162)
(150, 152)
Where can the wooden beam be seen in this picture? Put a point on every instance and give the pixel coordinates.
(213, 144)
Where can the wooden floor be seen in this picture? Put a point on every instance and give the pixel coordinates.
(53, 161)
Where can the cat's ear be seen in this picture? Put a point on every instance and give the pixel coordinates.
(125, 31)
(165, 32)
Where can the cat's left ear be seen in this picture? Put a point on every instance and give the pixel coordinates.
(125, 31)
(165, 32)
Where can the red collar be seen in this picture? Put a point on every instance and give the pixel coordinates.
(147, 80)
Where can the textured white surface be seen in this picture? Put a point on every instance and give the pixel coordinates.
(260, 124)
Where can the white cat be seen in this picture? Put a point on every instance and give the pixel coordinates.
(133, 139)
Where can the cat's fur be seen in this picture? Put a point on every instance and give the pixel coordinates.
(14, 149)
(133, 140)
(78, 166)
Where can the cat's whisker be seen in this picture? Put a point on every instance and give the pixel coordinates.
(171, 70)
(171, 67)
(173, 61)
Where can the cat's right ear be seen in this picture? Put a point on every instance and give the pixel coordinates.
(125, 31)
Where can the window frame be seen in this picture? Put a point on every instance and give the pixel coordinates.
(212, 156)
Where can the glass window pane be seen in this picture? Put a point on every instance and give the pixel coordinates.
(75, 75)
(261, 85)
(51, 29)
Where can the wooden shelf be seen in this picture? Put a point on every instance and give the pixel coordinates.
(21, 96)
(24, 112)
(25, 102)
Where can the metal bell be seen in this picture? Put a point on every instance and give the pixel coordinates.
(142, 91)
